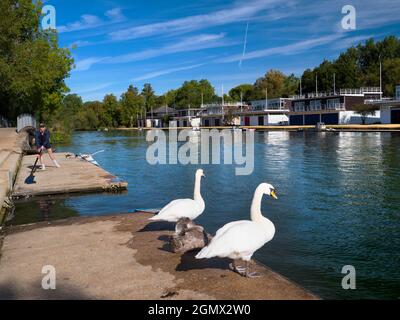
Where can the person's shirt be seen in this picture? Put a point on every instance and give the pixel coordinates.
(42, 139)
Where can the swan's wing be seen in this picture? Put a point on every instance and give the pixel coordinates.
(181, 208)
(226, 227)
(239, 239)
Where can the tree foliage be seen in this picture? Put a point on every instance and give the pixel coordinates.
(364, 110)
(359, 66)
(32, 65)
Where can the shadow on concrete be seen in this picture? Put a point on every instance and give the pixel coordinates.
(158, 226)
(8, 291)
(189, 262)
(37, 167)
(167, 243)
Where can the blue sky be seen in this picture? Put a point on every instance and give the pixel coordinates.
(121, 42)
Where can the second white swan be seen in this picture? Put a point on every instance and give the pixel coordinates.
(184, 208)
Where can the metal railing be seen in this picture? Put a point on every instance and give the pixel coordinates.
(25, 121)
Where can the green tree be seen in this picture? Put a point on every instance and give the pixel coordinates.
(193, 93)
(325, 72)
(274, 81)
(243, 91)
(112, 110)
(170, 98)
(391, 76)
(149, 96)
(291, 86)
(32, 65)
(71, 104)
(131, 103)
(365, 110)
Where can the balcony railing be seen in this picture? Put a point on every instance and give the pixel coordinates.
(336, 106)
(362, 90)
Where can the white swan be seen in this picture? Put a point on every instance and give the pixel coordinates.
(184, 208)
(240, 239)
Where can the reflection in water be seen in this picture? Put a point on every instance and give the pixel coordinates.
(339, 200)
(44, 209)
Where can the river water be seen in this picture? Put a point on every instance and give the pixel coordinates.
(339, 201)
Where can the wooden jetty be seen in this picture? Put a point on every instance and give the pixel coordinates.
(74, 176)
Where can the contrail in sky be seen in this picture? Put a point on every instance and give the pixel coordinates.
(244, 45)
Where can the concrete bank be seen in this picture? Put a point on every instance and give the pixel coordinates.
(75, 175)
(122, 257)
(11, 146)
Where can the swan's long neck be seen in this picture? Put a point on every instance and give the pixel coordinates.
(255, 212)
(197, 186)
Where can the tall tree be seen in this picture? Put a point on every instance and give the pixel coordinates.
(193, 93)
(243, 91)
(131, 104)
(112, 110)
(32, 65)
(391, 76)
(148, 96)
(273, 81)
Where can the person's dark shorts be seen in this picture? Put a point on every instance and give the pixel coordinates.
(47, 146)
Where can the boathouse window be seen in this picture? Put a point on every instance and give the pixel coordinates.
(315, 105)
(299, 106)
(261, 121)
(333, 104)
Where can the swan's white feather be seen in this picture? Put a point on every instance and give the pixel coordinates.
(177, 209)
(238, 240)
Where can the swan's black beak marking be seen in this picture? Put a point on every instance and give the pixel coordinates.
(273, 195)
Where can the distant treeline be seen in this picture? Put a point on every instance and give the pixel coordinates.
(33, 70)
(358, 66)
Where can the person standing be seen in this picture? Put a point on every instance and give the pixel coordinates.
(42, 140)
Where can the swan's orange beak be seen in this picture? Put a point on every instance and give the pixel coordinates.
(273, 195)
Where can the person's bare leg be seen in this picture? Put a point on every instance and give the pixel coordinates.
(40, 156)
(51, 155)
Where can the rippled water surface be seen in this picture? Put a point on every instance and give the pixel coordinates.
(339, 201)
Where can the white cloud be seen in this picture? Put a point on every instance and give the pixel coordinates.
(80, 44)
(88, 21)
(289, 49)
(159, 73)
(115, 14)
(239, 12)
(94, 88)
(86, 64)
(195, 43)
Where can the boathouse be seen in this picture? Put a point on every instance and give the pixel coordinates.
(333, 108)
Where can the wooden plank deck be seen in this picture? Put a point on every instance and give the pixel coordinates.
(75, 175)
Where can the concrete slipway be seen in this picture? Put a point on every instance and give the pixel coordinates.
(122, 257)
